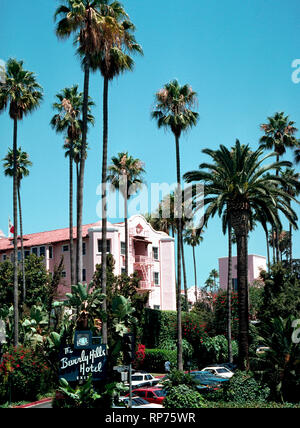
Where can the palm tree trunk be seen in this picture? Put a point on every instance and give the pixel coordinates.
(268, 250)
(184, 276)
(273, 244)
(276, 228)
(126, 233)
(291, 246)
(71, 216)
(79, 265)
(15, 239)
(104, 213)
(22, 246)
(242, 273)
(195, 274)
(179, 231)
(229, 292)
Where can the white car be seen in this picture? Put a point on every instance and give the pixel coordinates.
(143, 379)
(137, 403)
(219, 371)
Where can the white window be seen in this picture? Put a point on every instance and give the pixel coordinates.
(155, 253)
(26, 253)
(34, 251)
(19, 256)
(83, 248)
(123, 248)
(156, 278)
(4, 257)
(63, 274)
(84, 275)
(65, 248)
(100, 246)
(50, 252)
(42, 251)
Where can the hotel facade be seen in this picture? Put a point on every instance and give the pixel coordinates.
(151, 255)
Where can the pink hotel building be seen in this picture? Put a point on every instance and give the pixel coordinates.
(151, 254)
(255, 265)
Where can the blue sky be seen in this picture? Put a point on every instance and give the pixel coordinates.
(236, 55)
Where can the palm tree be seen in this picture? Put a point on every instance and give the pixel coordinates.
(68, 121)
(279, 135)
(83, 19)
(125, 174)
(23, 164)
(114, 59)
(237, 181)
(297, 156)
(193, 237)
(23, 94)
(290, 176)
(173, 111)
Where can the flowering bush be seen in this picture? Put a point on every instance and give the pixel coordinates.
(25, 372)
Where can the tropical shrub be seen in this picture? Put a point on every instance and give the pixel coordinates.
(279, 366)
(176, 378)
(155, 359)
(82, 396)
(215, 349)
(183, 397)
(26, 373)
(281, 294)
(243, 387)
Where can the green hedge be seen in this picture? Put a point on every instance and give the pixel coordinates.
(158, 327)
(155, 359)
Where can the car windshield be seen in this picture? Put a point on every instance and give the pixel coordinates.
(222, 370)
(137, 377)
(160, 393)
(139, 401)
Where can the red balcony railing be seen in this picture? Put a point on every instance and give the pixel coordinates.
(143, 260)
(146, 285)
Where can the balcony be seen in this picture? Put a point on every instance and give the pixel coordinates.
(146, 285)
(142, 260)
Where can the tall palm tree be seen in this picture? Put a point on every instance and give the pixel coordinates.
(114, 59)
(173, 111)
(297, 156)
(279, 134)
(125, 174)
(237, 181)
(291, 176)
(68, 121)
(23, 95)
(23, 164)
(193, 237)
(82, 18)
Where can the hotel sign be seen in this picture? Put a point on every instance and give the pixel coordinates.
(78, 364)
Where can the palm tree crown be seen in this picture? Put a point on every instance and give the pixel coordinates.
(173, 108)
(125, 174)
(23, 164)
(20, 90)
(279, 134)
(69, 107)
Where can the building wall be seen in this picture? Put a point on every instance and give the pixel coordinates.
(142, 240)
(255, 265)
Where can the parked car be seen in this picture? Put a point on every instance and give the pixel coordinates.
(219, 371)
(152, 395)
(137, 403)
(139, 379)
(262, 350)
(208, 380)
